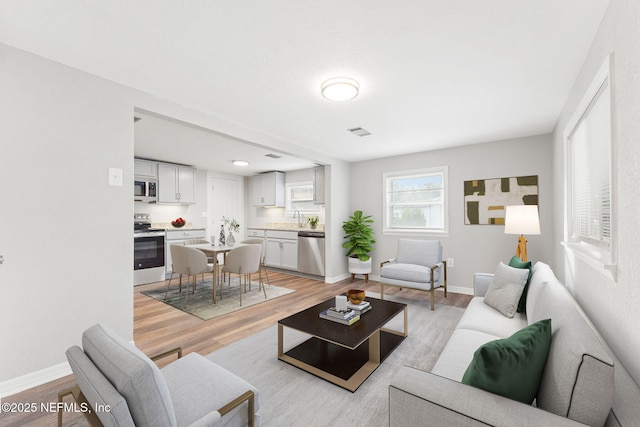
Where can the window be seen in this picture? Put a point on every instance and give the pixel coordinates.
(300, 198)
(416, 201)
(589, 189)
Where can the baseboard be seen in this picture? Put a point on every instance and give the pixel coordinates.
(34, 379)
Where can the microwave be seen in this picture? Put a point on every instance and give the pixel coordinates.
(144, 189)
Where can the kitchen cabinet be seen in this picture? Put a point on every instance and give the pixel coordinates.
(268, 189)
(176, 184)
(145, 168)
(178, 237)
(281, 249)
(318, 185)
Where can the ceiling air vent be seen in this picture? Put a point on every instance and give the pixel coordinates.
(136, 119)
(359, 131)
(273, 156)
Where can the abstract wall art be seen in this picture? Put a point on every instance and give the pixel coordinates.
(485, 200)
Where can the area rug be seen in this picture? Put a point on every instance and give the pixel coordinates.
(228, 299)
(292, 397)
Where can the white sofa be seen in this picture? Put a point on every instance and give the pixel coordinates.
(582, 383)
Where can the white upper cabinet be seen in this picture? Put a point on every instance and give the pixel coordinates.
(268, 189)
(318, 185)
(176, 184)
(145, 168)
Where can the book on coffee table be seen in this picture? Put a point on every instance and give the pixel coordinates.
(348, 321)
(340, 314)
(361, 308)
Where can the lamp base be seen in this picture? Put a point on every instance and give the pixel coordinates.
(521, 249)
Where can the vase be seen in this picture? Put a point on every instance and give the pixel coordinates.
(221, 235)
(230, 239)
(313, 226)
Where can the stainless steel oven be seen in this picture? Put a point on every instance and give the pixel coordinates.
(148, 251)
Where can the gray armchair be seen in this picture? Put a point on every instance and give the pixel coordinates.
(124, 387)
(418, 265)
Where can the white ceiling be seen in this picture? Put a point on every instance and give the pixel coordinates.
(432, 73)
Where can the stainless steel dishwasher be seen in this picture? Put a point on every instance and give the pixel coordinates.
(311, 252)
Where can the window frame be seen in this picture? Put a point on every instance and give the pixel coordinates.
(288, 201)
(437, 170)
(602, 256)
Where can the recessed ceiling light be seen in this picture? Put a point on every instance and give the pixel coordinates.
(340, 89)
(240, 163)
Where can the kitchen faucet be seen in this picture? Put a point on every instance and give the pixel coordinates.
(300, 216)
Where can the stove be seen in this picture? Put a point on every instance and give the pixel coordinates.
(148, 251)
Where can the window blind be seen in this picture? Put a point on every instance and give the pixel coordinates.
(590, 170)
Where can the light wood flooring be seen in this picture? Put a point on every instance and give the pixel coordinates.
(159, 327)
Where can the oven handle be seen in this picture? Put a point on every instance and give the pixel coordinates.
(149, 234)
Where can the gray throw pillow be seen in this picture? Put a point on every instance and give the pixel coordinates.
(506, 288)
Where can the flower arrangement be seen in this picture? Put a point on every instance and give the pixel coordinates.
(313, 221)
(231, 223)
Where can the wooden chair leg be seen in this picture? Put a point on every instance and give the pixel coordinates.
(167, 291)
(433, 295)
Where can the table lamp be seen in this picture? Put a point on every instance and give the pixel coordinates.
(522, 219)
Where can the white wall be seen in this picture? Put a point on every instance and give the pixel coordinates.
(65, 234)
(613, 307)
(475, 248)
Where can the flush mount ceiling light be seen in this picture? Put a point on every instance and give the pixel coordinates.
(240, 163)
(340, 89)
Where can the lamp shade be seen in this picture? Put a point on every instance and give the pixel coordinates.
(522, 219)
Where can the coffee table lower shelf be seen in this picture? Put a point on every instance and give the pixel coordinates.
(347, 368)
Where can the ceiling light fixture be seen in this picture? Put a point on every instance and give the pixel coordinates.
(240, 163)
(340, 89)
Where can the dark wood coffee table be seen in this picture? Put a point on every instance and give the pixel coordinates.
(341, 354)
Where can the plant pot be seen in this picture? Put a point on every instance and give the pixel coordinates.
(359, 267)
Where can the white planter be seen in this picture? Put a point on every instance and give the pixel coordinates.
(359, 267)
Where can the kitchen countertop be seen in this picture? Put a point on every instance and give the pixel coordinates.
(286, 227)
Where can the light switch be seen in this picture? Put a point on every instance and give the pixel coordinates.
(115, 177)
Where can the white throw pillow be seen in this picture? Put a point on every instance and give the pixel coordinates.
(506, 288)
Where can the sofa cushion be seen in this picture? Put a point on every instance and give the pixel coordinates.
(516, 262)
(133, 374)
(578, 381)
(505, 289)
(480, 317)
(512, 367)
(458, 352)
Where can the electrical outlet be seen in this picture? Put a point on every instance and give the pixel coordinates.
(450, 262)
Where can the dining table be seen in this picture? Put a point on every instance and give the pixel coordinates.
(213, 251)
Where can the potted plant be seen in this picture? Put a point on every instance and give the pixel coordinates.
(313, 221)
(233, 226)
(359, 235)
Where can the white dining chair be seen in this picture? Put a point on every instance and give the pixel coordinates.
(190, 262)
(244, 260)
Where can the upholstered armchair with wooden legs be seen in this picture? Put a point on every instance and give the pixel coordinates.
(124, 387)
(418, 265)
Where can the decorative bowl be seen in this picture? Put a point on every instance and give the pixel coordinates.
(355, 296)
(178, 224)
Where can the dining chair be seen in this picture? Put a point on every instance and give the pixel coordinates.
(190, 262)
(262, 243)
(244, 260)
(199, 242)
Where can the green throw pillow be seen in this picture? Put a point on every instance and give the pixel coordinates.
(517, 263)
(512, 367)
